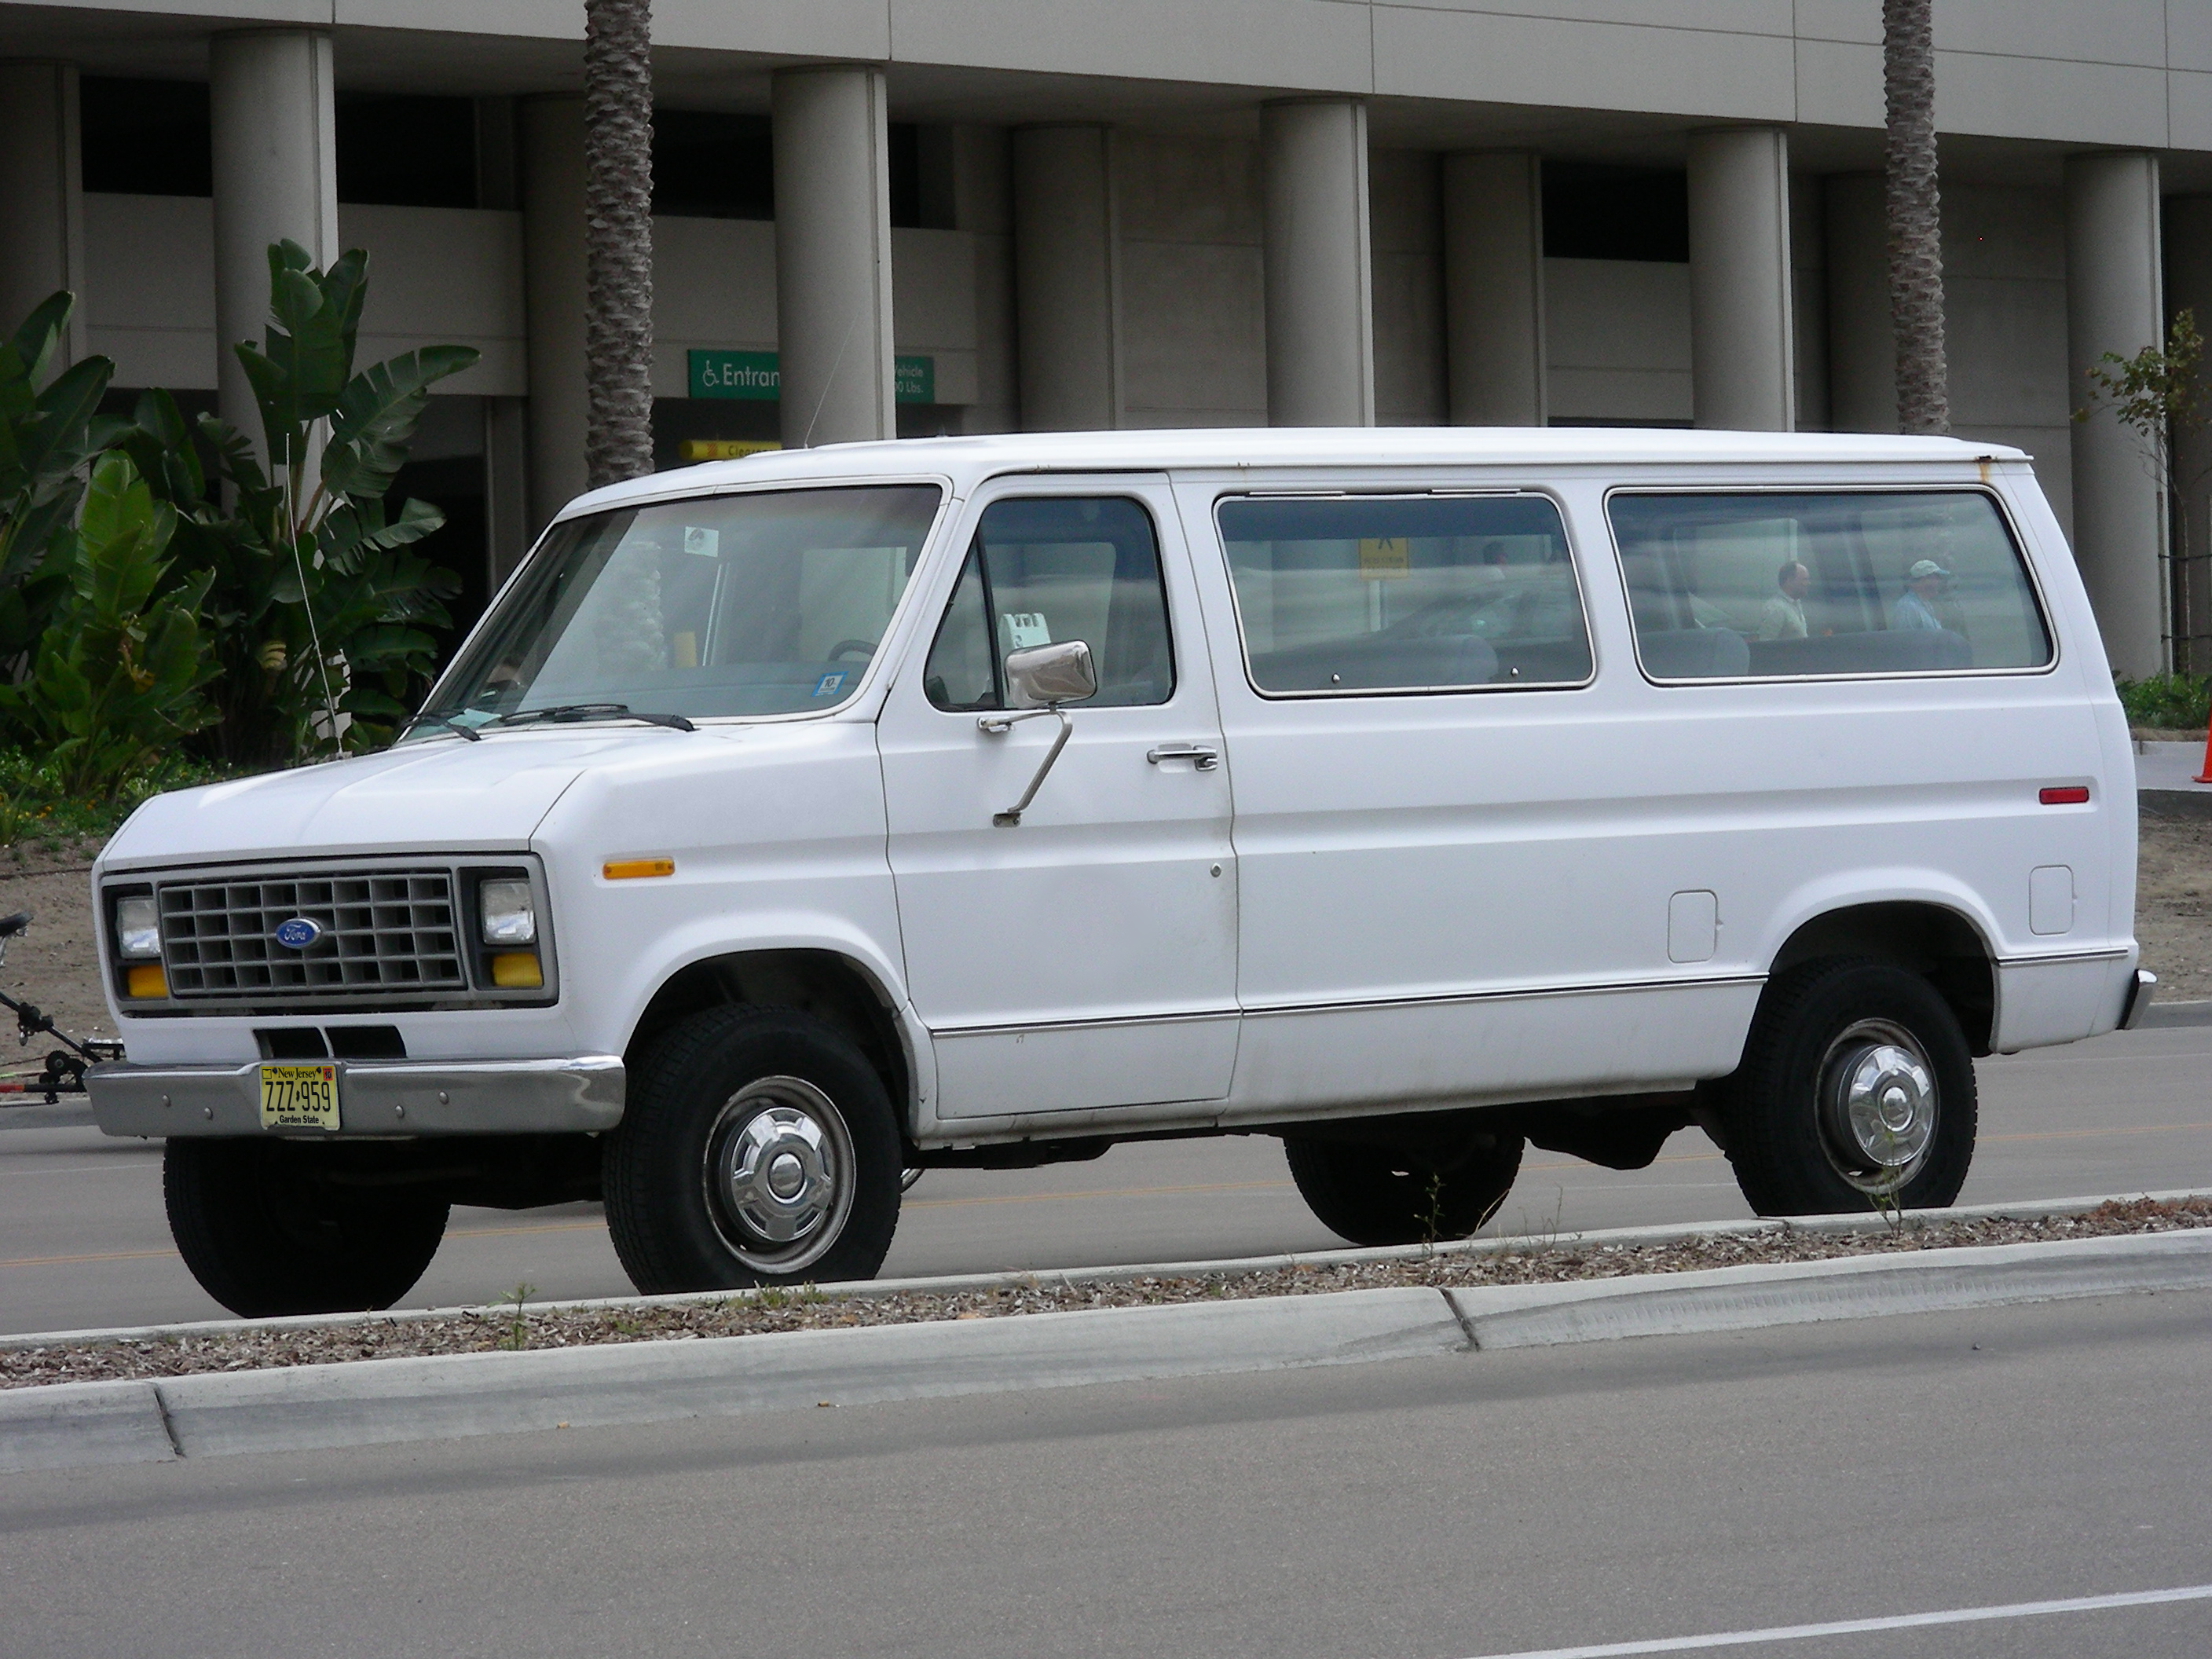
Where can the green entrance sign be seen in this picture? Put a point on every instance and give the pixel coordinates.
(752, 376)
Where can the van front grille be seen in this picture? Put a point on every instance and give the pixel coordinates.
(373, 932)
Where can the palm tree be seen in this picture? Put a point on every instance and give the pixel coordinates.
(617, 240)
(1916, 229)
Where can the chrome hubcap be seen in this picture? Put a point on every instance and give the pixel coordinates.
(1878, 1105)
(779, 1173)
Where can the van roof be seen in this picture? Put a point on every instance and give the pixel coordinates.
(1226, 448)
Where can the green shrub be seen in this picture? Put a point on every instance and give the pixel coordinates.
(118, 672)
(2171, 703)
(47, 436)
(34, 807)
(317, 608)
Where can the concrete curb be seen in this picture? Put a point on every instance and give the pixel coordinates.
(1804, 1292)
(376, 1401)
(1671, 1233)
(385, 1401)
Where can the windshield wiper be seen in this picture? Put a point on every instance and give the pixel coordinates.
(565, 712)
(449, 723)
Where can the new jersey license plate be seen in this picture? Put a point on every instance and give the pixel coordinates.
(299, 1096)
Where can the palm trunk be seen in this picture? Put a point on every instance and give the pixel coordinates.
(1915, 230)
(617, 240)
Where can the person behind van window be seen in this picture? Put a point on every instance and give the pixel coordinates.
(1914, 610)
(1783, 616)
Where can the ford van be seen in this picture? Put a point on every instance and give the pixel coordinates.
(1413, 796)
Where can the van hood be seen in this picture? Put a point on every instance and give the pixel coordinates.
(444, 794)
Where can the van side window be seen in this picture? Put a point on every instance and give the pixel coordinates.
(1404, 594)
(1043, 570)
(1733, 587)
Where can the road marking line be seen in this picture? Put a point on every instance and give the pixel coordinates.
(1855, 1626)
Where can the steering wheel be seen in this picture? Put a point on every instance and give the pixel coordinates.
(865, 647)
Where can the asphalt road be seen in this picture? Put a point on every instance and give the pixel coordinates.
(83, 1242)
(1477, 1504)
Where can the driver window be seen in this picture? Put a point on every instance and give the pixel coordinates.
(1047, 568)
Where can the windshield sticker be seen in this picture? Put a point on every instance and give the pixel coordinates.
(707, 544)
(828, 685)
(1025, 628)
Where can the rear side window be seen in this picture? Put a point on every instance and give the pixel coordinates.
(1737, 587)
(1404, 594)
(1046, 569)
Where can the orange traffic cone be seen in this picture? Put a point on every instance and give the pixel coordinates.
(2205, 776)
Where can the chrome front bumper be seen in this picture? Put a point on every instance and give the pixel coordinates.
(375, 1097)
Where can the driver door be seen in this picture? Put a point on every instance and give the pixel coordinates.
(1084, 958)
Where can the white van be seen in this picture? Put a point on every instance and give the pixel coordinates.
(1411, 795)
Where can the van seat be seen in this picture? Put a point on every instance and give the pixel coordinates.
(1377, 662)
(1694, 654)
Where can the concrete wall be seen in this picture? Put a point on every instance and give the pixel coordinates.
(1194, 306)
(1406, 208)
(1617, 337)
(454, 275)
(2004, 324)
(2128, 72)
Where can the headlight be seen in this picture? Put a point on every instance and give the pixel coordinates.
(138, 929)
(508, 913)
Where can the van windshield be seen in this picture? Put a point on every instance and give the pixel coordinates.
(760, 603)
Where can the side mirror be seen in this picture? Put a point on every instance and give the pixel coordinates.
(1043, 675)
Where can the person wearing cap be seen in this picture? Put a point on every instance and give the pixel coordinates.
(1914, 610)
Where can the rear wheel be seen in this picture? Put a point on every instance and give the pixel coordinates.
(758, 1147)
(271, 1227)
(1856, 1091)
(1380, 1195)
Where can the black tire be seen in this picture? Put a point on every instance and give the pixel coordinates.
(1798, 1146)
(1378, 1195)
(690, 1174)
(267, 1229)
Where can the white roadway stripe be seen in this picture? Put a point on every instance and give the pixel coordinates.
(1853, 1626)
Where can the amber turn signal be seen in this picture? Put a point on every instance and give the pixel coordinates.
(632, 869)
(146, 980)
(517, 970)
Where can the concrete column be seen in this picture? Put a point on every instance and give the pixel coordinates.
(833, 255)
(41, 197)
(1809, 289)
(2113, 303)
(1862, 344)
(1494, 288)
(276, 179)
(1742, 322)
(1320, 281)
(552, 184)
(983, 205)
(2188, 286)
(1068, 279)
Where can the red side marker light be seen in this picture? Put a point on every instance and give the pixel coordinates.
(2072, 794)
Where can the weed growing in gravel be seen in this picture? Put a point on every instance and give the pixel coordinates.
(518, 1330)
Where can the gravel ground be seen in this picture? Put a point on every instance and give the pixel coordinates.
(2174, 902)
(52, 965)
(750, 1313)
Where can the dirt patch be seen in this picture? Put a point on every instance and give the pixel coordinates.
(2174, 902)
(53, 964)
(757, 1313)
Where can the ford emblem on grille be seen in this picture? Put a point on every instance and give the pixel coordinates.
(299, 932)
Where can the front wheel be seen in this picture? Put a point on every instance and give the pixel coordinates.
(1379, 1195)
(758, 1147)
(1856, 1091)
(271, 1227)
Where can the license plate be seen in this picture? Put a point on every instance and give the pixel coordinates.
(299, 1096)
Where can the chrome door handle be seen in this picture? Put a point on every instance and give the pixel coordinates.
(1200, 756)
